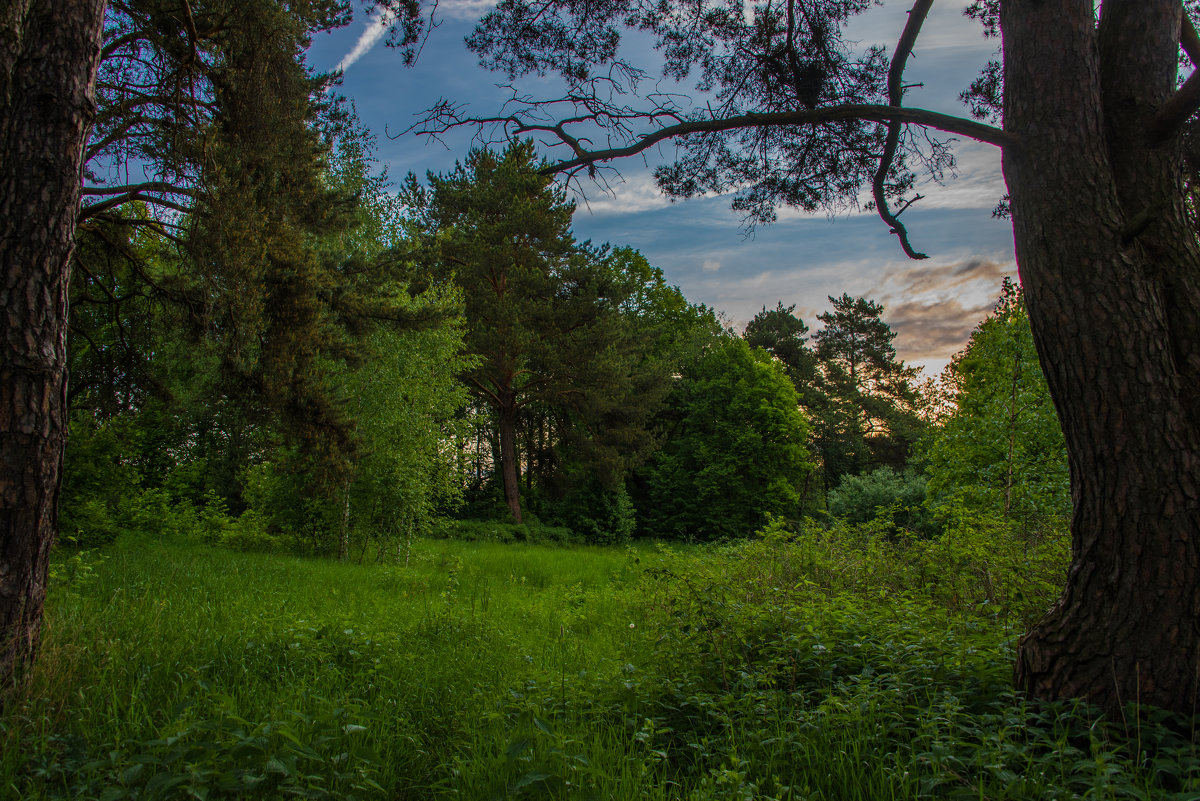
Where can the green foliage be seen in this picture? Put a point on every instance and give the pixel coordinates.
(407, 400)
(899, 495)
(501, 231)
(1000, 455)
(573, 346)
(843, 664)
(600, 516)
(784, 335)
(99, 485)
(734, 451)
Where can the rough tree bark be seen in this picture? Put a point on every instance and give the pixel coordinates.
(1111, 275)
(49, 52)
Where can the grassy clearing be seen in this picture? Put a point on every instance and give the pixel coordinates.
(770, 670)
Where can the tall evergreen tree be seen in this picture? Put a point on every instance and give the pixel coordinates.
(785, 336)
(564, 333)
(865, 405)
(502, 231)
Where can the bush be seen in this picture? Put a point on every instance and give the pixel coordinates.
(898, 497)
(99, 485)
(597, 515)
(249, 533)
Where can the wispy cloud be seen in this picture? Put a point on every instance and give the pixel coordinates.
(934, 309)
(934, 329)
(468, 10)
(918, 280)
(377, 25)
(628, 194)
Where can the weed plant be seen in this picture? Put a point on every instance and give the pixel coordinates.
(795, 666)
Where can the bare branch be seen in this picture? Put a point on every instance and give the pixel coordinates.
(916, 18)
(125, 194)
(148, 186)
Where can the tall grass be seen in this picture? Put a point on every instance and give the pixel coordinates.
(782, 668)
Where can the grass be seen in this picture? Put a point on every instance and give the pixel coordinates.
(479, 671)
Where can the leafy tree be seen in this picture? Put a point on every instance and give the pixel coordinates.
(1000, 454)
(734, 452)
(407, 398)
(1093, 114)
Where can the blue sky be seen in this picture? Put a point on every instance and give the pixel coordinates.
(700, 244)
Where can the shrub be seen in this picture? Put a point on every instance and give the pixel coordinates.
(899, 497)
(99, 482)
(597, 515)
(249, 533)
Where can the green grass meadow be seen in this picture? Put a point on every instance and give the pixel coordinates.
(775, 669)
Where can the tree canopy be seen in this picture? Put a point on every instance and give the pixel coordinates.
(1000, 454)
(735, 450)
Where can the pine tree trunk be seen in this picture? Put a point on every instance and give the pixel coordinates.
(1112, 279)
(507, 423)
(344, 532)
(49, 53)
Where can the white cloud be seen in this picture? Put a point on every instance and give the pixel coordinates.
(468, 10)
(626, 195)
(710, 265)
(377, 25)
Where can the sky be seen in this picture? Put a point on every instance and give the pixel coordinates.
(701, 244)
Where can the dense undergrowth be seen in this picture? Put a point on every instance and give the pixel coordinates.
(787, 667)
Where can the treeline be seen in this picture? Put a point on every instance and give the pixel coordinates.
(270, 348)
(328, 367)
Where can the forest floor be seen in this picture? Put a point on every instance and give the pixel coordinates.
(772, 669)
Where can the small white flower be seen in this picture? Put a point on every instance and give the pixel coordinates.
(632, 626)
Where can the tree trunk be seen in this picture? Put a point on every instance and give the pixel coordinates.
(49, 53)
(507, 423)
(1112, 279)
(344, 532)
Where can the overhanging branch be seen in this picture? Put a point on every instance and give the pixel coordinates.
(117, 195)
(856, 111)
(916, 18)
